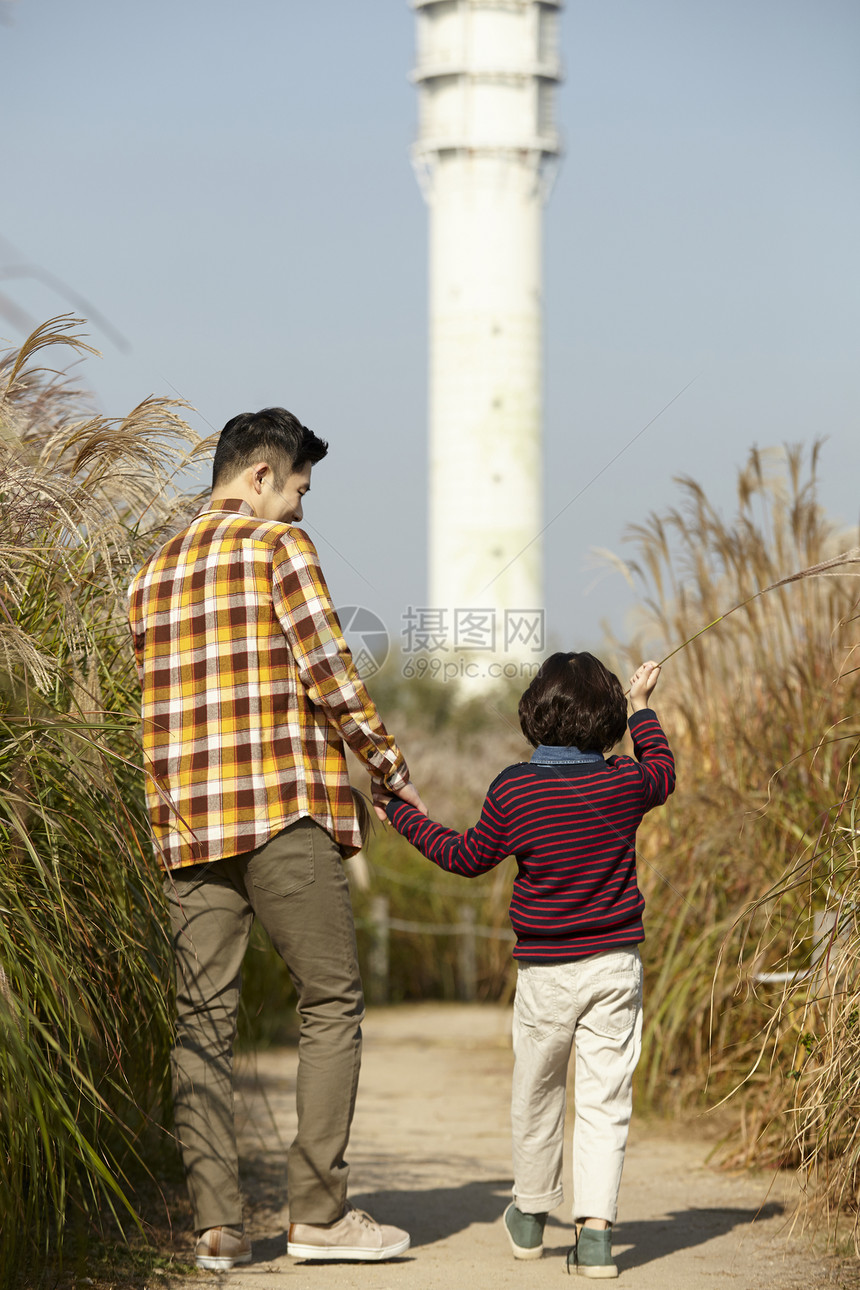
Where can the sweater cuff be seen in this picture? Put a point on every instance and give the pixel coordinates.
(640, 715)
(393, 805)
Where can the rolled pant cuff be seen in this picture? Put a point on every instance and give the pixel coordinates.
(538, 1204)
(213, 1218)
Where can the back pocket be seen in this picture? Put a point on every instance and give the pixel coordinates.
(286, 863)
(613, 994)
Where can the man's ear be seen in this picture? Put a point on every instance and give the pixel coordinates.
(259, 471)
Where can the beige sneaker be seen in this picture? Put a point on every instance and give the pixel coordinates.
(219, 1248)
(355, 1237)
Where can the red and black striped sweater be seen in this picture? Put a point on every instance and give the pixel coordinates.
(572, 829)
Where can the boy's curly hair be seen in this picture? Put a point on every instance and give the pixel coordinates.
(575, 700)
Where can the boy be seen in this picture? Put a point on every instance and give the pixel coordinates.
(569, 816)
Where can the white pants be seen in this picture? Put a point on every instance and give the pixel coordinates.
(596, 1005)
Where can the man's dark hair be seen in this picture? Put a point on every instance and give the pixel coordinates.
(273, 434)
(575, 700)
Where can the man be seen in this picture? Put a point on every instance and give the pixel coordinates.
(248, 689)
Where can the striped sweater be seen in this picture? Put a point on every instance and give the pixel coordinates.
(572, 829)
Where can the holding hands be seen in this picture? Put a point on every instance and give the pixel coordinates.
(380, 797)
(642, 684)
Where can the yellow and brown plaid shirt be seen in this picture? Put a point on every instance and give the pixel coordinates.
(248, 689)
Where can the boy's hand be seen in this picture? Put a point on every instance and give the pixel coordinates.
(380, 797)
(642, 684)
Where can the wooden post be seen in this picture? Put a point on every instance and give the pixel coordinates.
(467, 969)
(378, 959)
(824, 934)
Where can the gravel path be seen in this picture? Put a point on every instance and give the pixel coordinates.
(430, 1152)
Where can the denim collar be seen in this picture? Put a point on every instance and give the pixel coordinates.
(556, 755)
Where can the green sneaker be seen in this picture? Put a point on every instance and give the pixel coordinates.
(591, 1253)
(525, 1232)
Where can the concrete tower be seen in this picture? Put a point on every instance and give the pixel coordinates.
(486, 152)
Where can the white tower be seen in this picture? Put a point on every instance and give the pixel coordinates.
(486, 152)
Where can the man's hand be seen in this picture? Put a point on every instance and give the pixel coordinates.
(642, 684)
(409, 793)
(381, 797)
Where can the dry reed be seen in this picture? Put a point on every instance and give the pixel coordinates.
(762, 708)
(84, 976)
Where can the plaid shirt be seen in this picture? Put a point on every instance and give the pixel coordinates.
(248, 687)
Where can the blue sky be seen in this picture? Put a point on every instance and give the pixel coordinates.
(229, 184)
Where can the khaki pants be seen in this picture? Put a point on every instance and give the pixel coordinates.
(595, 1005)
(295, 884)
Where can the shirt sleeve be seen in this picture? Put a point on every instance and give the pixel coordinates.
(656, 763)
(138, 632)
(326, 667)
(469, 854)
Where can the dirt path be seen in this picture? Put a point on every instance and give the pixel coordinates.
(431, 1153)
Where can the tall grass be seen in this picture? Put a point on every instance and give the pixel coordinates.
(763, 712)
(816, 1017)
(84, 995)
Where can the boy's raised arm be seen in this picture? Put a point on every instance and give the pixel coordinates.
(649, 741)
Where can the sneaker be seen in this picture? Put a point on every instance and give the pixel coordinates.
(355, 1237)
(525, 1232)
(591, 1253)
(219, 1248)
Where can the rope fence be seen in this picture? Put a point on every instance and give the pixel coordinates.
(826, 937)
(380, 924)
(416, 884)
